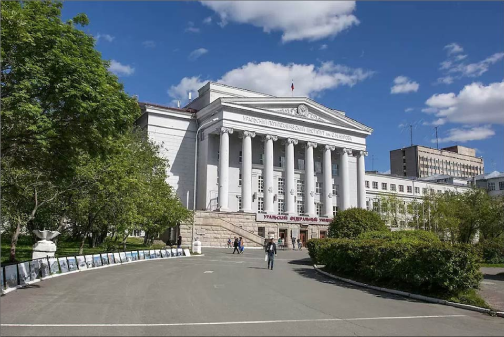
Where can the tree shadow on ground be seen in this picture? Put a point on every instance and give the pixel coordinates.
(311, 273)
(495, 277)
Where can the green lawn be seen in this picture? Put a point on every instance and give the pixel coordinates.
(495, 265)
(64, 248)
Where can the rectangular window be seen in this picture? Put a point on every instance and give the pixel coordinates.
(318, 167)
(281, 184)
(384, 186)
(239, 179)
(281, 160)
(334, 210)
(375, 206)
(260, 184)
(409, 189)
(491, 186)
(335, 170)
(367, 183)
(261, 231)
(375, 185)
(300, 188)
(301, 164)
(239, 203)
(281, 208)
(401, 188)
(417, 190)
(300, 207)
(335, 189)
(318, 187)
(393, 187)
(261, 160)
(319, 208)
(424, 191)
(260, 204)
(240, 157)
(501, 185)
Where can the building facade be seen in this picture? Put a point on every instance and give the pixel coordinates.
(255, 166)
(422, 161)
(493, 183)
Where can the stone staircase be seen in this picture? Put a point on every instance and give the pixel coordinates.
(250, 236)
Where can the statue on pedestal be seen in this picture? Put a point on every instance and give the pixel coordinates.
(44, 247)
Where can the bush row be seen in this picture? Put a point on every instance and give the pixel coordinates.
(413, 235)
(433, 267)
(491, 251)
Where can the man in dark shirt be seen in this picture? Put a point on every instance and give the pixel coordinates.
(236, 245)
(271, 251)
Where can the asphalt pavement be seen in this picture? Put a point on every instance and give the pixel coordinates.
(224, 294)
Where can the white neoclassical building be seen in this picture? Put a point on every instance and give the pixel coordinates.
(255, 165)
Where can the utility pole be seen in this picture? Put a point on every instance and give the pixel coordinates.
(437, 141)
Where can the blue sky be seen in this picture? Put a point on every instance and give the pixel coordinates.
(386, 64)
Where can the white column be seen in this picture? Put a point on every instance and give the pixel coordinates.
(345, 183)
(268, 173)
(361, 176)
(327, 199)
(224, 169)
(290, 187)
(246, 171)
(309, 179)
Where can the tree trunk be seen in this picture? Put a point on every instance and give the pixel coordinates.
(124, 242)
(146, 238)
(15, 236)
(81, 248)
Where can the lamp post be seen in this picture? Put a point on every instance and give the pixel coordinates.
(214, 120)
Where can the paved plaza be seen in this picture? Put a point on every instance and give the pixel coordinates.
(224, 294)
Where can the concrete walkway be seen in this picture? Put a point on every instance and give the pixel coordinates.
(492, 287)
(224, 294)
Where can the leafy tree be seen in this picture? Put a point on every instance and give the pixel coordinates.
(352, 222)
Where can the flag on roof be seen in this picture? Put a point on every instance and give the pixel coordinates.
(292, 86)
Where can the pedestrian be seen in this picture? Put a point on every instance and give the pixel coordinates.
(293, 243)
(242, 245)
(229, 243)
(179, 242)
(236, 245)
(300, 244)
(271, 252)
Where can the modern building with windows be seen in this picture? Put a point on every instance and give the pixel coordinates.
(493, 183)
(255, 165)
(422, 161)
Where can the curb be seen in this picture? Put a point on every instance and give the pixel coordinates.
(414, 296)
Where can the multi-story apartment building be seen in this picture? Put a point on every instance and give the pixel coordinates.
(421, 161)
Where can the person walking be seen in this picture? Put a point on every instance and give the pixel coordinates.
(229, 243)
(271, 252)
(293, 243)
(300, 244)
(179, 242)
(242, 245)
(236, 245)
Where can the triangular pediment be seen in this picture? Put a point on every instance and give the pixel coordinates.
(301, 109)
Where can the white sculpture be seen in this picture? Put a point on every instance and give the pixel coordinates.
(197, 246)
(44, 247)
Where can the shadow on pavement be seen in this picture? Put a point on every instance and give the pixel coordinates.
(495, 277)
(310, 272)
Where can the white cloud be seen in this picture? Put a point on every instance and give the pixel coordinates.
(478, 68)
(385, 172)
(463, 135)
(207, 20)
(429, 110)
(276, 78)
(460, 57)
(106, 37)
(453, 48)
(186, 85)
(474, 104)
(445, 80)
(403, 85)
(408, 109)
(296, 20)
(323, 47)
(149, 44)
(120, 69)
(191, 29)
(195, 54)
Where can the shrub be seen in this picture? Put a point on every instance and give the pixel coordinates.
(413, 235)
(491, 251)
(354, 221)
(434, 267)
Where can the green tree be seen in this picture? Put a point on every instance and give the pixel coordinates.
(352, 222)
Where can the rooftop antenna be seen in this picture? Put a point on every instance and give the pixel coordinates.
(190, 95)
(437, 140)
(178, 104)
(411, 134)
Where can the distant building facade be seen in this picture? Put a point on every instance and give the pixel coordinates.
(493, 183)
(421, 161)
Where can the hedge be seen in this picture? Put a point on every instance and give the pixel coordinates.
(412, 235)
(354, 221)
(417, 266)
(491, 251)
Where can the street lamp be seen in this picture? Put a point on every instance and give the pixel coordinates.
(196, 168)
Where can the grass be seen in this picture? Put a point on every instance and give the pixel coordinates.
(66, 248)
(493, 265)
(468, 296)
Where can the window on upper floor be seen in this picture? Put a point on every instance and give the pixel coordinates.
(367, 183)
(318, 207)
(491, 186)
(300, 207)
(239, 202)
(318, 167)
(318, 187)
(401, 188)
(384, 186)
(301, 164)
(501, 185)
(409, 189)
(335, 170)
(424, 191)
(335, 189)
(261, 159)
(375, 185)
(393, 187)
(281, 184)
(260, 204)
(334, 210)
(239, 179)
(281, 161)
(417, 190)
(300, 188)
(281, 208)
(240, 157)
(260, 184)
